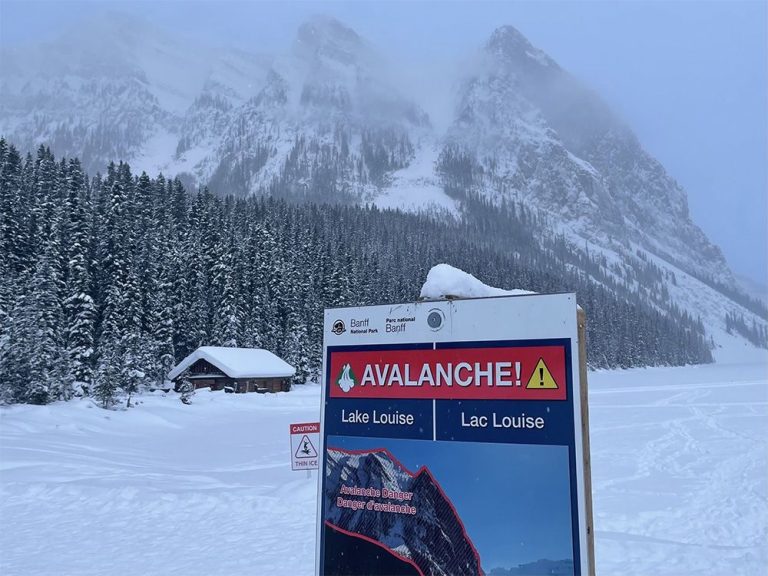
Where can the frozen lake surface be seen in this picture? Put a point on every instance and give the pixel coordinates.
(679, 467)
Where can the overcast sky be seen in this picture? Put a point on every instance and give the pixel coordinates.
(689, 77)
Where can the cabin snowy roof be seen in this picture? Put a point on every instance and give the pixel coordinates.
(237, 362)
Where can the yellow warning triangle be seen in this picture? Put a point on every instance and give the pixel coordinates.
(541, 378)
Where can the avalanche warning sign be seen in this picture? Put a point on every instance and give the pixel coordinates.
(437, 419)
(304, 439)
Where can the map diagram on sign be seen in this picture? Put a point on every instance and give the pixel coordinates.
(428, 517)
(306, 448)
(364, 507)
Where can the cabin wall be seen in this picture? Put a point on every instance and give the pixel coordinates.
(244, 385)
(203, 367)
(264, 385)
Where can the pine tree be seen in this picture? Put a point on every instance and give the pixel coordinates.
(114, 253)
(15, 212)
(16, 363)
(159, 307)
(296, 348)
(107, 375)
(227, 323)
(137, 363)
(79, 307)
(46, 374)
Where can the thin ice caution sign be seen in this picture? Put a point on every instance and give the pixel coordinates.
(304, 441)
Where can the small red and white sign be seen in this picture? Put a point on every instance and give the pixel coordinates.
(305, 439)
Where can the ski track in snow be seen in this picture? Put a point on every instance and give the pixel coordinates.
(679, 460)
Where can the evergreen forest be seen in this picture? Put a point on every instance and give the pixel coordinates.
(108, 281)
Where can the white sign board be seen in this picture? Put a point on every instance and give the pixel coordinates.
(452, 439)
(305, 439)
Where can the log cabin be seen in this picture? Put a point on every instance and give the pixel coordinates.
(234, 369)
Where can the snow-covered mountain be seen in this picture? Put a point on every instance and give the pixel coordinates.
(436, 543)
(531, 131)
(118, 87)
(328, 122)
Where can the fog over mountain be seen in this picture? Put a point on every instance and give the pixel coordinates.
(329, 121)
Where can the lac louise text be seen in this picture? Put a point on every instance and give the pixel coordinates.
(505, 421)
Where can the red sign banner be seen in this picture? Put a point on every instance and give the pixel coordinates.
(508, 373)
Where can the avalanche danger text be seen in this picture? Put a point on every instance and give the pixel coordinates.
(494, 373)
(371, 504)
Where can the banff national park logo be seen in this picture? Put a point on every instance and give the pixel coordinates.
(346, 379)
(339, 327)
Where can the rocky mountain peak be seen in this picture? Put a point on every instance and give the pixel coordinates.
(323, 37)
(507, 44)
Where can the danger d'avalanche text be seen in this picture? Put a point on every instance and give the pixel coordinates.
(371, 503)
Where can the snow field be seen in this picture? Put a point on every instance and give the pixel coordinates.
(160, 489)
(415, 188)
(680, 470)
(679, 461)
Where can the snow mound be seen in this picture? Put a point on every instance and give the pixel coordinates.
(445, 281)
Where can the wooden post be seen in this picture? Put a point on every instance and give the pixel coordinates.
(581, 322)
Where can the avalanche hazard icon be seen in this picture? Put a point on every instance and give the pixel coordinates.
(542, 377)
(346, 379)
(306, 449)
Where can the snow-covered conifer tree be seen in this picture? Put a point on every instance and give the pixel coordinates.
(79, 308)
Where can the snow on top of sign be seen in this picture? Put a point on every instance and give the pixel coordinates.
(445, 281)
(238, 362)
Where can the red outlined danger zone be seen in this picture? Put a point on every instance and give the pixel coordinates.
(456, 373)
(464, 561)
